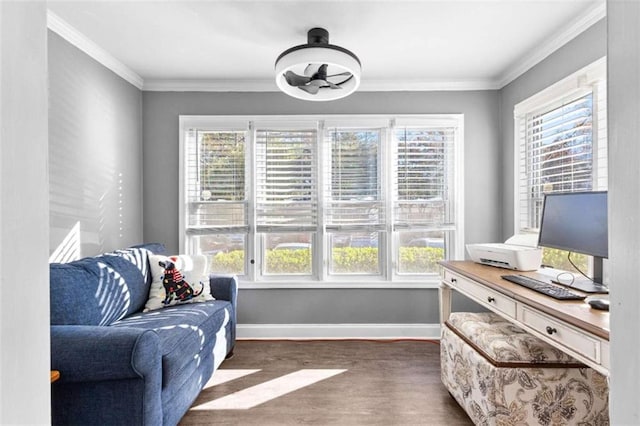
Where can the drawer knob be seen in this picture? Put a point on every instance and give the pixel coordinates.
(453, 280)
(551, 330)
(491, 299)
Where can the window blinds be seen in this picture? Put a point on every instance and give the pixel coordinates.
(353, 193)
(215, 180)
(558, 146)
(286, 175)
(424, 166)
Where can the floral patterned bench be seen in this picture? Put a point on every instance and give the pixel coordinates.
(502, 375)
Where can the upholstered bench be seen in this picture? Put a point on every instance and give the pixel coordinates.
(501, 374)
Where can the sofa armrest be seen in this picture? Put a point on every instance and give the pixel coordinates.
(94, 353)
(224, 287)
(108, 375)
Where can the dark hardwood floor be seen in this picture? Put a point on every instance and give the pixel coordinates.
(383, 383)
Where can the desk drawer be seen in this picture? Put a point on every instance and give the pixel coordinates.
(563, 334)
(483, 295)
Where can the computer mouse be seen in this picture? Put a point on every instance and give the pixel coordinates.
(601, 304)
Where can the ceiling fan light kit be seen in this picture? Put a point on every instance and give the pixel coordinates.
(318, 71)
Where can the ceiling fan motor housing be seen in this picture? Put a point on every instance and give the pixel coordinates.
(317, 36)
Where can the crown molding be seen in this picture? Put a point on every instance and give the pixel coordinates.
(209, 85)
(79, 40)
(426, 85)
(160, 85)
(579, 25)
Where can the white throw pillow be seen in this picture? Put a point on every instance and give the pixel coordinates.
(178, 279)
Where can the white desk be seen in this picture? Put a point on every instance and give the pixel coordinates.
(571, 326)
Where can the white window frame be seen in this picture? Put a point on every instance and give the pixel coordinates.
(352, 124)
(591, 78)
(389, 279)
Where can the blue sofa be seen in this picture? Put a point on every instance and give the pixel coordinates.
(122, 366)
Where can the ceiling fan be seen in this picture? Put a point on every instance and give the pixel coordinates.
(314, 71)
(315, 77)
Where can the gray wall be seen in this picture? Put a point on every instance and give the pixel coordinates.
(579, 52)
(95, 144)
(624, 205)
(24, 281)
(483, 208)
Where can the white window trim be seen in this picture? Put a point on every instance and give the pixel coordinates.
(579, 82)
(387, 281)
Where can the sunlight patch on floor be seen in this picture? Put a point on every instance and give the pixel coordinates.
(224, 376)
(263, 392)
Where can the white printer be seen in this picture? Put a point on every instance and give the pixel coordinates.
(519, 252)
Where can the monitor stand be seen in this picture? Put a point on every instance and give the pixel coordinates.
(579, 282)
(585, 285)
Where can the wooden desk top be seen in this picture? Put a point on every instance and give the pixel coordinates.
(576, 313)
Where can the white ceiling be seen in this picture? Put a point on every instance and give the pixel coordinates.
(403, 45)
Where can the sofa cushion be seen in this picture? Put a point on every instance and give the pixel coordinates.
(154, 248)
(178, 279)
(99, 290)
(187, 334)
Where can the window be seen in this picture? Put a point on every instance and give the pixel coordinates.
(424, 205)
(216, 202)
(286, 199)
(331, 200)
(354, 201)
(561, 147)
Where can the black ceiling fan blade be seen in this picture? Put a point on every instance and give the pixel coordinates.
(321, 74)
(310, 88)
(296, 80)
(314, 86)
(339, 74)
(332, 85)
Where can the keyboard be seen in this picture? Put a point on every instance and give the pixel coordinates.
(547, 289)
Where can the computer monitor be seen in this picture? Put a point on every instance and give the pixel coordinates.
(577, 222)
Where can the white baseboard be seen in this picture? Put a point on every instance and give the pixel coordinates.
(338, 331)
